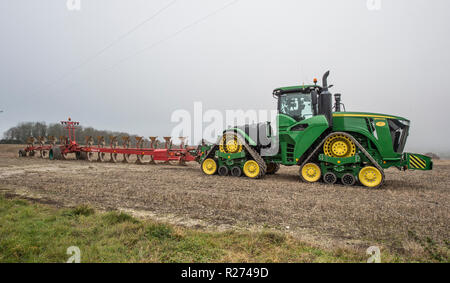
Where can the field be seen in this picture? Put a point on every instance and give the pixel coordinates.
(408, 218)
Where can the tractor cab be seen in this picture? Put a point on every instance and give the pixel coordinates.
(303, 102)
(297, 102)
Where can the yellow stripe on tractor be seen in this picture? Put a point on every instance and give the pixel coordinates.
(418, 161)
(362, 115)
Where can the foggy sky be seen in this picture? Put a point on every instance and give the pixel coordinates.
(394, 60)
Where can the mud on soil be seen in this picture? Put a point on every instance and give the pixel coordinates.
(410, 206)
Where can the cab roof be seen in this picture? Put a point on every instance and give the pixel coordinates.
(292, 89)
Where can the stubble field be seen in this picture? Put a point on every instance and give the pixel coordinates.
(409, 216)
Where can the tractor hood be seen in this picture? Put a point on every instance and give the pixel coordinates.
(390, 130)
(368, 115)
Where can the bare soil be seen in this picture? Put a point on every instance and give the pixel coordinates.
(411, 209)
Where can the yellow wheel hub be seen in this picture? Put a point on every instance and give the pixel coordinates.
(311, 172)
(339, 146)
(370, 176)
(251, 169)
(209, 166)
(230, 144)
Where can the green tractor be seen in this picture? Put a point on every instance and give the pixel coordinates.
(327, 145)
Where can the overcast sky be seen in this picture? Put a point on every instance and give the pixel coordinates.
(99, 66)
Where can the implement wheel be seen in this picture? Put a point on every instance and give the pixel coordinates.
(339, 146)
(81, 155)
(55, 153)
(370, 177)
(251, 169)
(22, 153)
(310, 172)
(209, 166)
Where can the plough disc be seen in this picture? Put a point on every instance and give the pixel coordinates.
(126, 144)
(42, 152)
(52, 140)
(153, 144)
(89, 143)
(167, 145)
(114, 144)
(101, 144)
(139, 145)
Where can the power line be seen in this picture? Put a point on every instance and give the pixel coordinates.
(155, 44)
(171, 35)
(103, 50)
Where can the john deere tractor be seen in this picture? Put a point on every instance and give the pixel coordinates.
(328, 144)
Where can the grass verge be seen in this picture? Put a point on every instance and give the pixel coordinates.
(31, 232)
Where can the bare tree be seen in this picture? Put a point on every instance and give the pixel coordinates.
(22, 131)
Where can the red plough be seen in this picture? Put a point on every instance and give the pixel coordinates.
(111, 153)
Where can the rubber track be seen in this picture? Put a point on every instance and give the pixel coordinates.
(255, 155)
(211, 152)
(363, 150)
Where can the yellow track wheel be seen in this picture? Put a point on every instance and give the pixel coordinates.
(209, 166)
(311, 172)
(370, 177)
(230, 144)
(339, 146)
(251, 169)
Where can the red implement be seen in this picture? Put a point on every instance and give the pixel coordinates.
(69, 145)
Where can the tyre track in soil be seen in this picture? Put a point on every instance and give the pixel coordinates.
(327, 216)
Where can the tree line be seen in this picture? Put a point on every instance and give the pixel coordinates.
(20, 133)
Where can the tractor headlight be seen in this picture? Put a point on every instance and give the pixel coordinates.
(399, 132)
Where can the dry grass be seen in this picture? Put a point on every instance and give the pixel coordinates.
(41, 233)
(409, 216)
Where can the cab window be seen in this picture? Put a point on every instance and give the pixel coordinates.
(296, 105)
